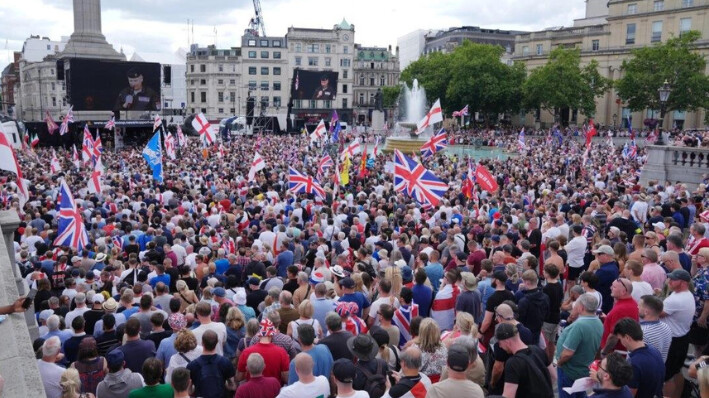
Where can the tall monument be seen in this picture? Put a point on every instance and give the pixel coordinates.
(87, 41)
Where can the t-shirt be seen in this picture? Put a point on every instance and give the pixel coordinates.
(374, 308)
(497, 298)
(502, 356)
(157, 391)
(318, 388)
(623, 308)
(356, 394)
(136, 352)
(583, 337)
(556, 295)
(455, 388)
(641, 289)
(470, 302)
(322, 363)
(259, 387)
(648, 372)
(275, 358)
(679, 308)
(356, 297)
(218, 328)
(528, 369)
(658, 335)
(337, 344)
(606, 274)
(208, 374)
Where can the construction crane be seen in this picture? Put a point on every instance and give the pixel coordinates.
(256, 25)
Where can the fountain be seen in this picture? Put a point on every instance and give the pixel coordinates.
(412, 107)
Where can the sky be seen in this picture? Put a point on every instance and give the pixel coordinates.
(160, 26)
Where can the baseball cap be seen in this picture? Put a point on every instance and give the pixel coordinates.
(347, 283)
(254, 281)
(604, 249)
(115, 358)
(500, 276)
(219, 292)
(660, 225)
(505, 331)
(407, 274)
(45, 314)
(462, 256)
(679, 274)
(458, 358)
(343, 369)
(495, 238)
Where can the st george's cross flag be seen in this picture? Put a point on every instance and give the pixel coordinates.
(443, 307)
(157, 122)
(94, 183)
(54, 166)
(352, 149)
(319, 132)
(181, 139)
(8, 162)
(411, 178)
(170, 146)
(302, 183)
(204, 129)
(244, 222)
(75, 158)
(435, 115)
(375, 151)
(256, 165)
(436, 143)
(71, 230)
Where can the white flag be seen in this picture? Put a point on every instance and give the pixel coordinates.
(256, 165)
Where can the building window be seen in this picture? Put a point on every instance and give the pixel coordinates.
(312, 61)
(203, 82)
(192, 98)
(276, 71)
(220, 110)
(361, 79)
(220, 96)
(221, 68)
(595, 44)
(328, 61)
(191, 68)
(276, 55)
(656, 32)
(371, 81)
(54, 100)
(345, 62)
(687, 3)
(252, 54)
(344, 74)
(312, 48)
(203, 96)
(540, 49)
(277, 101)
(298, 47)
(632, 9)
(232, 96)
(361, 99)
(630, 34)
(264, 70)
(685, 25)
(232, 82)
(252, 70)
(252, 84)
(297, 61)
(203, 68)
(232, 111)
(276, 86)
(659, 5)
(220, 82)
(382, 81)
(264, 85)
(346, 49)
(344, 89)
(263, 43)
(252, 43)
(328, 48)
(54, 86)
(276, 43)
(344, 102)
(264, 54)
(203, 110)
(525, 51)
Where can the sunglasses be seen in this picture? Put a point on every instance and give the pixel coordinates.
(622, 283)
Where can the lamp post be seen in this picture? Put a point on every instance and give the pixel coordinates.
(615, 120)
(664, 92)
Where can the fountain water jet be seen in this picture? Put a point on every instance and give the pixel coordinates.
(412, 108)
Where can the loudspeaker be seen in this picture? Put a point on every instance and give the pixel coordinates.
(167, 74)
(250, 105)
(60, 69)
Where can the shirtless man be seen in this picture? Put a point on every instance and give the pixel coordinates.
(638, 246)
(554, 258)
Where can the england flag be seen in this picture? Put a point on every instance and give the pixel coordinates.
(256, 165)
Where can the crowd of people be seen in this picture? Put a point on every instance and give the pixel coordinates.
(211, 285)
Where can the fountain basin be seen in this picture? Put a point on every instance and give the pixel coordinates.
(404, 144)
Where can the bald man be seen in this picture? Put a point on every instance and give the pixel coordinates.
(307, 385)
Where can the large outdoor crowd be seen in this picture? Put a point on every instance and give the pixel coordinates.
(209, 285)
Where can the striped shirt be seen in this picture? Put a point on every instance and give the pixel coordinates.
(658, 335)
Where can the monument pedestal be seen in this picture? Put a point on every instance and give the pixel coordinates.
(378, 122)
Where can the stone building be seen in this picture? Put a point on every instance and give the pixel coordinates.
(374, 69)
(212, 79)
(8, 79)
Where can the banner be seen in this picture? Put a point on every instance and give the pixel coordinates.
(485, 179)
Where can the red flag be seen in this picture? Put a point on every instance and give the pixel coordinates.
(590, 133)
(485, 179)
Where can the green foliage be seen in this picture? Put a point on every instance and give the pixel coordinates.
(562, 83)
(389, 95)
(673, 61)
(472, 74)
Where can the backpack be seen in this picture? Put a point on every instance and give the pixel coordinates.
(90, 374)
(375, 384)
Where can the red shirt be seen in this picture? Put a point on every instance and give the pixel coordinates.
(275, 358)
(259, 387)
(623, 308)
(474, 260)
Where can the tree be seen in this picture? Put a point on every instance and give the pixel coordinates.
(389, 95)
(433, 74)
(674, 61)
(563, 83)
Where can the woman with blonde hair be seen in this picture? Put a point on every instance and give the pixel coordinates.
(234, 322)
(71, 385)
(185, 295)
(513, 280)
(433, 353)
(464, 326)
(187, 350)
(393, 274)
(306, 311)
(653, 242)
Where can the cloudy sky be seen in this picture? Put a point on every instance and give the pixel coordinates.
(160, 26)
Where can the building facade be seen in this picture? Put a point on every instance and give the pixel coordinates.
(212, 76)
(8, 79)
(630, 24)
(447, 40)
(374, 69)
(411, 46)
(323, 50)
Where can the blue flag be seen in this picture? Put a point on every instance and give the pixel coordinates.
(153, 155)
(336, 132)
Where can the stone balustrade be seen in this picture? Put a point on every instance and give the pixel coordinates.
(684, 164)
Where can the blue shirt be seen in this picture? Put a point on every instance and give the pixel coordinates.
(434, 271)
(356, 297)
(167, 349)
(423, 296)
(607, 274)
(321, 306)
(322, 363)
(62, 334)
(486, 290)
(283, 261)
(247, 311)
(648, 372)
(164, 278)
(222, 265)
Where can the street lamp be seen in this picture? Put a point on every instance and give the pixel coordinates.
(615, 120)
(664, 92)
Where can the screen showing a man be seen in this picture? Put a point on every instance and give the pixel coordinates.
(324, 91)
(137, 97)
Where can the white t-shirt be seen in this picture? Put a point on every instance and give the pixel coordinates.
(679, 308)
(357, 394)
(218, 328)
(320, 387)
(640, 289)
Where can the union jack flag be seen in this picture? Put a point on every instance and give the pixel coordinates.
(324, 164)
(69, 118)
(111, 124)
(462, 112)
(402, 319)
(435, 144)
(522, 140)
(98, 149)
(87, 148)
(71, 229)
(299, 183)
(228, 245)
(416, 181)
(117, 243)
(469, 183)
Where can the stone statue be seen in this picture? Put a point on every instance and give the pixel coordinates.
(379, 101)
